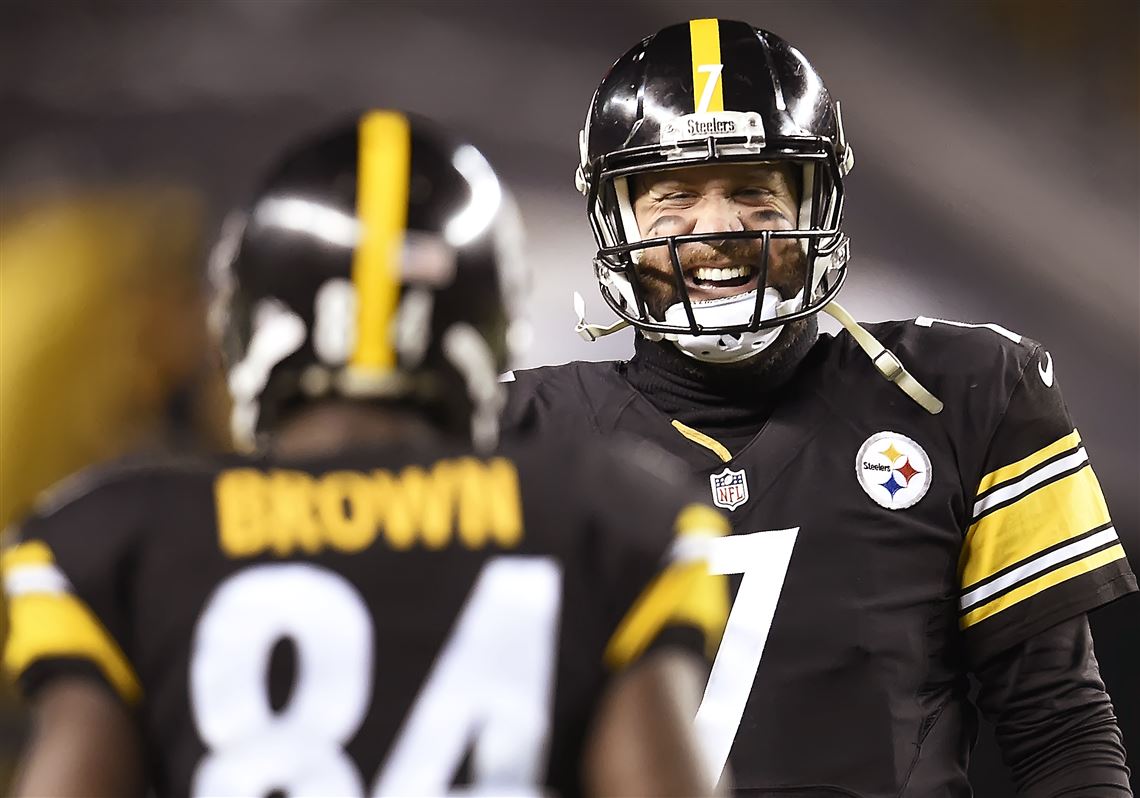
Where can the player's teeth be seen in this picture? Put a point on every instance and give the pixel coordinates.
(712, 274)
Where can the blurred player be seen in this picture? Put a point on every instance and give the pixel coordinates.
(370, 605)
(934, 515)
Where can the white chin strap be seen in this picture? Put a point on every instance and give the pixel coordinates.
(731, 310)
(884, 360)
(724, 312)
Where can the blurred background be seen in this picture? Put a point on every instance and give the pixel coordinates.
(997, 179)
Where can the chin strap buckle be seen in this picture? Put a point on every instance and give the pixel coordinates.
(592, 332)
(888, 365)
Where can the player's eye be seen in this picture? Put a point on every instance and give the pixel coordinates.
(753, 193)
(676, 199)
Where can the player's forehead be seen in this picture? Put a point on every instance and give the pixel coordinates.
(715, 174)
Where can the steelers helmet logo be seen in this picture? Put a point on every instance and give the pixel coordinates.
(893, 470)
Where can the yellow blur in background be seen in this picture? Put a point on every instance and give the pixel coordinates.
(101, 321)
(103, 348)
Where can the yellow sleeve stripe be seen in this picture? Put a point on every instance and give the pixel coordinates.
(1041, 584)
(1009, 492)
(1049, 515)
(383, 171)
(1026, 464)
(700, 519)
(29, 553)
(51, 625)
(684, 594)
(1074, 549)
(46, 620)
(699, 438)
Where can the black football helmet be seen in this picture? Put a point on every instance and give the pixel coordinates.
(379, 261)
(712, 91)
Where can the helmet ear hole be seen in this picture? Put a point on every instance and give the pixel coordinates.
(629, 229)
(843, 149)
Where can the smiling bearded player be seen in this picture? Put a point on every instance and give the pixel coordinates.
(911, 500)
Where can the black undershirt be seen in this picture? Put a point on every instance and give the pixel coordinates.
(729, 403)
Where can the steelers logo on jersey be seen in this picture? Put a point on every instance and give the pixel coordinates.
(893, 470)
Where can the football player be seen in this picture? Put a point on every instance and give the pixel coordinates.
(380, 600)
(911, 501)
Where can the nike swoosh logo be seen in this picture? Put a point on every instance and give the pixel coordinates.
(1046, 372)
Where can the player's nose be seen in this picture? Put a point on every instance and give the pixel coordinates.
(718, 214)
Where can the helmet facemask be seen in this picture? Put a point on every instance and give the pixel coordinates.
(619, 263)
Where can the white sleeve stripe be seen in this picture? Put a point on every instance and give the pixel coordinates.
(1030, 481)
(692, 547)
(926, 321)
(1034, 567)
(44, 578)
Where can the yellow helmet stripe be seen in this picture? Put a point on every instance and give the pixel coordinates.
(704, 37)
(383, 172)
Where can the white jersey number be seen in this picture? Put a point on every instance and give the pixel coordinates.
(926, 321)
(762, 558)
(473, 696)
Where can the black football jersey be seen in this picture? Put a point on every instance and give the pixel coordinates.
(383, 622)
(880, 552)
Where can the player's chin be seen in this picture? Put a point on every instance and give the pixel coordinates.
(790, 334)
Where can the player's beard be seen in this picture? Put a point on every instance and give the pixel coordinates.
(787, 272)
(787, 268)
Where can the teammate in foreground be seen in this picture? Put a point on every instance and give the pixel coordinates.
(932, 507)
(369, 605)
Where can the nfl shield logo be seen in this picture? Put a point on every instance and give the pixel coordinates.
(729, 488)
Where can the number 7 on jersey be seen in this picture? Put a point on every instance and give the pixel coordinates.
(762, 558)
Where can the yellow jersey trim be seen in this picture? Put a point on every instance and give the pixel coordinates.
(699, 438)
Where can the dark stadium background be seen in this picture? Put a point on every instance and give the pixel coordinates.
(996, 169)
